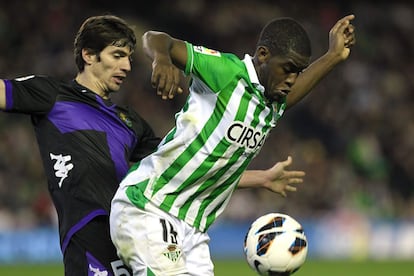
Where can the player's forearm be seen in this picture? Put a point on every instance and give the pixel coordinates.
(157, 45)
(311, 77)
(252, 179)
(2, 95)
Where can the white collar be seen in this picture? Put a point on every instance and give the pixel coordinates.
(252, 73)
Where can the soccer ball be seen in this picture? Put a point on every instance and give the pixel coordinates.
(275, 245)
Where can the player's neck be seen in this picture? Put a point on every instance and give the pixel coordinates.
(92, 84)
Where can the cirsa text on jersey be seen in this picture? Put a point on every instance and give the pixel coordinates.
(245, 136)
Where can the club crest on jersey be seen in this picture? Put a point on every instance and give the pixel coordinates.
(245, 136)
(206, 51)
(124, 118)
(173, 253)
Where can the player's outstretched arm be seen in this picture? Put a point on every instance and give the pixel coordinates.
(169, 57)
(341, 39)
(2, 95)
(276, 179)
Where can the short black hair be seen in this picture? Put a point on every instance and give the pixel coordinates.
(98, 32)
(282, 35)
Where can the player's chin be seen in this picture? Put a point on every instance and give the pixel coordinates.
(115, 87)
(278, 96)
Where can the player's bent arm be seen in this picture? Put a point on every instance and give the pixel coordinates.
(276, 179)
(2, 95)
(307, 80)
(341, 39)
(160, 45)
(169, 58)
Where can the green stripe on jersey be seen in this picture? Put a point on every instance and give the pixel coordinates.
(198, 173)
(210, 218)
(194, 147)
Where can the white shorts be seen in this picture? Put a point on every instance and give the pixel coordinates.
(153, 240)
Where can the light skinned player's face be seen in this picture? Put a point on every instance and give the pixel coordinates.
(110, 68)
(279, 74)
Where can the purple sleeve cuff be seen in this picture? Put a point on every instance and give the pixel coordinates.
(9, 94)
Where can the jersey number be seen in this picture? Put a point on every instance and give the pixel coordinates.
(119, 268)
(169, 235)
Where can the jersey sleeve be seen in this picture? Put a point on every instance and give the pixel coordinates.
(212, 67)
(30, 94)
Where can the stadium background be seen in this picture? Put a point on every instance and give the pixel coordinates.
(353, 135)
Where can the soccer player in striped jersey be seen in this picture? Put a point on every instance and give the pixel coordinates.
(165, 205)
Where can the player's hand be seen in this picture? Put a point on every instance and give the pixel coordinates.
(165, 78)
(281, 180)
(342, 37)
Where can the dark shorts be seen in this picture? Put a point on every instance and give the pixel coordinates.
(90, 252)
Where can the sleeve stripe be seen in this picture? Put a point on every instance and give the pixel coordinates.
(9, 94)
(190, 59)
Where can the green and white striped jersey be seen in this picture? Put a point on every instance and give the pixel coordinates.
(221, 127)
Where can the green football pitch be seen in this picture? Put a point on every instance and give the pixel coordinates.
(240, 268)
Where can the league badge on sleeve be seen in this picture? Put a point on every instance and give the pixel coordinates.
(206, 51)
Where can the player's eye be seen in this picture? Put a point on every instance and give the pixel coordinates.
(289, 69)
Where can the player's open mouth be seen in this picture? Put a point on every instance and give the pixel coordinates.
(282, 93)
(119, 79)
(285, 92)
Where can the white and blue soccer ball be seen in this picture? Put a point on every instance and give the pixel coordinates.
(275, 245)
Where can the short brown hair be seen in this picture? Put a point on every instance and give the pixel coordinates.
(98, 32)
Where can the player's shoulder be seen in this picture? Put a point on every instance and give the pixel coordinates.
(223, 61)
(39, 80)
(35, 77)
(205, 51)
(210, 52)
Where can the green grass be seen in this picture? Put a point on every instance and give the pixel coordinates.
(31, 270)
(327, 268)
(240, 268)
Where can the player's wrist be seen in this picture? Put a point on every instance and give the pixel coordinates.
(161, 56)
(336, 56)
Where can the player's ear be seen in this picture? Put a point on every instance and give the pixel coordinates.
(263, 54)
(88, 56)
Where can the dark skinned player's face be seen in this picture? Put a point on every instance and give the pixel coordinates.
(279, 73)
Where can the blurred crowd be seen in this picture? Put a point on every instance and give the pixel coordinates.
(353, 135)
